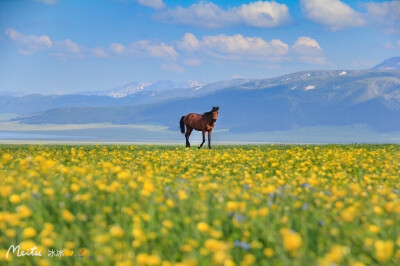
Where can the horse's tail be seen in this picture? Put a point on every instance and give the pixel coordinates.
(182, 125)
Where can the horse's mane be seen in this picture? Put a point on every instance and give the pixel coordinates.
(208, 113)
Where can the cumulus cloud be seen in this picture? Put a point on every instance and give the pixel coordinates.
(332, 13)
(30, 43)
(235, 47)
(117, 48)
(308, 50)
(68, 46)
(156, 4)
(262, 14)
(385, 15)
(145, 48)
(239, 46)
(99, 52)
(189, 42)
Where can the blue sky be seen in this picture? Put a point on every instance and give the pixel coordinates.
(67, 46)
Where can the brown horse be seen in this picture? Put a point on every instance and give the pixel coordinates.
(204, 123)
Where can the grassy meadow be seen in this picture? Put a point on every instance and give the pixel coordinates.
(233, 205)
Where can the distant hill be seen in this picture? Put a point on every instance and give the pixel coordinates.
(159, 91)
(307, 98)
(389, 64)
(149, 87)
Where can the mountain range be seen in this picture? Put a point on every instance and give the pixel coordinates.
(307, 98)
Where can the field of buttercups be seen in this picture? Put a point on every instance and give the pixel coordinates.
(167, 205)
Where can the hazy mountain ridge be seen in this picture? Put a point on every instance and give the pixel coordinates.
(306, 98)
(389, 64)
(150, 87)
(34, 103)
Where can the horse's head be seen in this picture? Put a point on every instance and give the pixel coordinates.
(215, 111)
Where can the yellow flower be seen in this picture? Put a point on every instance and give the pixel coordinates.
(248, 259)
(24, 211)
(68, 216)
(116, 231)
(102, 239)
(203, 227)
(182, 194)
(148, 188)
(263, 212)
(291, 240)
(336, 253)
(378, 210)
(10, 233)
(357, 263)
(215, 245)
(348, 214)
(3, 255)
(384, 250)
(269, 252)
(15, 198)
(374, 228)
(74, 187)
(168, 224)
(48, 191)
(144, 259)
(28, 244)
(170, 203)
(29, 232)
(48, 242)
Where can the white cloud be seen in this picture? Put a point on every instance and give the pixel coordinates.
(303, 43)
(263, 14)
(209, 15)
(145, 48)
(385, 15)
(99, 52)
(308, 50)
(47, 2)
(237, 46)
(117, 48)
(234, 47)
(68, 46)
(189, 42)
(156, 4)
(331, 13)
(30, 43)
(172, 68)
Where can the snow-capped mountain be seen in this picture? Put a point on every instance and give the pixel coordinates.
(130, 88)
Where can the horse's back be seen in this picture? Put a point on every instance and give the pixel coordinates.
(194, 120)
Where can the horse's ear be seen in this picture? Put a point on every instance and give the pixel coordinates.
(216, 108)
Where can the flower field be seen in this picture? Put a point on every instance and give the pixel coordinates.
(233, 205)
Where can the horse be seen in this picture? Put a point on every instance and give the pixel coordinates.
(200, 122)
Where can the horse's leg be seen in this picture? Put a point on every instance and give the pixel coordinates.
(209, 139)
(204, 139)
(187, 135)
